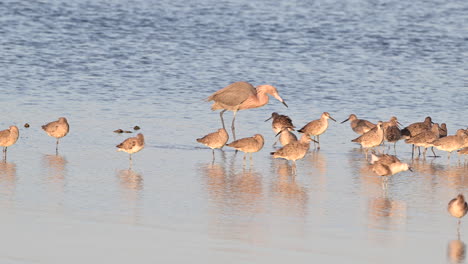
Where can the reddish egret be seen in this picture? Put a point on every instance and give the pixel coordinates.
(359, 126)
(57, 129)
(8, 137)
(239, 96)
(317, 127)
(215, 140)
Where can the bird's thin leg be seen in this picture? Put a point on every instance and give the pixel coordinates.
(394, 147)
(4, 153)
(412, 151)
(419, 151)
(233, 126)
(213, 157)
(221, 115)
(56, 147)
(294, 169)
(318, 142)
(424, 153)
(435, 156)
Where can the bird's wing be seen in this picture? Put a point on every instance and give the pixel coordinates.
(233, 94)
(240, 143)
(4, 133)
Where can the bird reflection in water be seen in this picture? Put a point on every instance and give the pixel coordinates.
(55, 165)
(7, 179)
(386, 213)
(456, 251)
(290, 198)
(235, 196)
(131, 185)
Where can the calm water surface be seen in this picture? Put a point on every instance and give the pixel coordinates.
(116, 64)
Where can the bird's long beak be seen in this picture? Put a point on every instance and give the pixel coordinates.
(279, 133)
(269, 118)
(344, 121)
(276, 95)
(410, 169)
(332, 118)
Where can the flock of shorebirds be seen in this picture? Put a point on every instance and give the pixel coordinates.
(427, 134)
(242, 95)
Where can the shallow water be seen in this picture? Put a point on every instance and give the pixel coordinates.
(116, 64)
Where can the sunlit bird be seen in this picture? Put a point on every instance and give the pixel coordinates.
(8, 137)
(248, 145)
(215, 140)
(387, 165)
(282, 124)
(132, 145)
(452, 142)
(371, 138)
(457, 207)
(286, 137)
(359, 126)
(240, 96)
(294, 151)
(57, 129)
(425, 139)
(317, 127)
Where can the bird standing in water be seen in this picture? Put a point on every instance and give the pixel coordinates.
(57, 129)
(457, 207)
(240, 96)
(132, 145)
(8, 137)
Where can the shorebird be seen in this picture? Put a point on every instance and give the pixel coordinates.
(372, 138)
(392, 132)
(451, 143)
(425, 139)
(132, 145)
(294, 151)
(248, 145)
(457, 207)
(387, 165)
(286, 137)
(415, 129)
(8, 137)
(57, 129)
(215, 140)
(240, 96)
(280, 122)
(359, 126)
(443, 132)
(317, 127)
